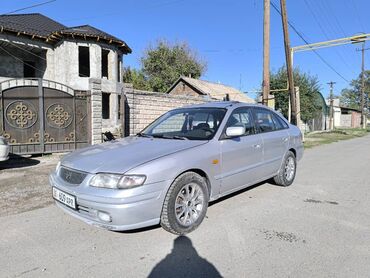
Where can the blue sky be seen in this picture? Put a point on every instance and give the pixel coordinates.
(225, 33)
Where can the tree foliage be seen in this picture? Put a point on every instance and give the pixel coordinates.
(310, 101)
(163, 64)
(351, 97)
(136, 77)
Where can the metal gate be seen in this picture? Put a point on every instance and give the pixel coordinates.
(42, 116)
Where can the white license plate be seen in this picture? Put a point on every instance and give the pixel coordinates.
(64, 198)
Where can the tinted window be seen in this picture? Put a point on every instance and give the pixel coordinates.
(265, 120)
(283, 123)
(241, 117)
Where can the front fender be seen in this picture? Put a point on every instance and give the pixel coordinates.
(204, 157)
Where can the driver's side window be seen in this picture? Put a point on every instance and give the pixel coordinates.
(241, 117)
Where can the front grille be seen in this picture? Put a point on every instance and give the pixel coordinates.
(72, 176)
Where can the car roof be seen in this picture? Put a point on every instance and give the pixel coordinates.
(223, 104)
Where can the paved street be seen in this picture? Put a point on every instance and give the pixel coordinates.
(318, 227)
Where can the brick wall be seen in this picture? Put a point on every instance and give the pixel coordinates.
(144, 107)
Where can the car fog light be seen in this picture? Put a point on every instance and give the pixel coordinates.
(103, 216)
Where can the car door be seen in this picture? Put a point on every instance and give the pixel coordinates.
(275, 138)
(241, 157)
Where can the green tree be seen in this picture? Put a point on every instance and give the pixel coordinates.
(308, 85)
(136, 77)
(164, 63)
(351, 97)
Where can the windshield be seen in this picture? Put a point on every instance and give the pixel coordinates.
(186, 123)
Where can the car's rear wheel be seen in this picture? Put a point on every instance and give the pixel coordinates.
(186, 204)
(287, 171)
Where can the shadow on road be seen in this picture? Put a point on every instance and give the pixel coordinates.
(16, 161)
(184, 261)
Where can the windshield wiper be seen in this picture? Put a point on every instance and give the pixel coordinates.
(169, 136)
(140, 134)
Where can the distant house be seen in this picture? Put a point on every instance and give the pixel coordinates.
(187, 86)
(344, 117)
(60, 86)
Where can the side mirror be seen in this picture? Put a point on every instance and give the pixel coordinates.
(235, 131)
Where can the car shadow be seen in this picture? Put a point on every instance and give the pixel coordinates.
(184, 261)
(17, 161)
(241, 191)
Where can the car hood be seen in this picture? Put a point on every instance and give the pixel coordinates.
(121, 155)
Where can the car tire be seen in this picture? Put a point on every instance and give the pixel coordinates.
(287, 171)
(185, 204)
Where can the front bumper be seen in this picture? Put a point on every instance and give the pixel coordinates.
(135, 208)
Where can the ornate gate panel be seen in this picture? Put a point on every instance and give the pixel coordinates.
(40, 116)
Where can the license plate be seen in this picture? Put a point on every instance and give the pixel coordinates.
(64, 198)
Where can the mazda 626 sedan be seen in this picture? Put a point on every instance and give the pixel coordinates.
(169, 172)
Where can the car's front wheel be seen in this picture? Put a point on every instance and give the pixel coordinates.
(186, 204)
(287, 172)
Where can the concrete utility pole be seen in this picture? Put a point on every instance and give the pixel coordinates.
(284, 18)
(362, 92)
(331, 116)
(266, 52)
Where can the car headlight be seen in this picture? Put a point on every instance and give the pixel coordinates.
(115, 181)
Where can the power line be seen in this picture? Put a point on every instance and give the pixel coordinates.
(323, 31)
(307, 43)
(358, 16)
(326, 16)
(25, 63)
(29, 7)
(25, 50)
(333, 15)
(19, 59)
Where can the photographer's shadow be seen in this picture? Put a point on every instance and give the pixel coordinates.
(184, 261)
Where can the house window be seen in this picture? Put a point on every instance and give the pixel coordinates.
(105, 105)
(104, 63)
(29, 69)
(84, 61)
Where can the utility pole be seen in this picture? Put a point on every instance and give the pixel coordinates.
(284, 18)
(331, 116)
(266, 52)
(362, 92)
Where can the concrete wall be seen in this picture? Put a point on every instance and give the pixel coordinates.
(12, 66)
(346, 120)
(61, 63)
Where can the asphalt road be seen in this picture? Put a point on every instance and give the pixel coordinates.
(318, 227)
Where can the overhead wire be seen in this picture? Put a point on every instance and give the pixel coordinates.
(358, 15)
(29, 7)
(323, 31)
(34, 54)
(326, 16)
(19, 59)
(307, 43)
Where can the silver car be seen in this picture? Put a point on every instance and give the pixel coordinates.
(169, 172)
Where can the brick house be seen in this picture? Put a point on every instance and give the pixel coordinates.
(186, 86)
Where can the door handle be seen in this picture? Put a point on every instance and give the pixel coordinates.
(257, 146)
(285, 139)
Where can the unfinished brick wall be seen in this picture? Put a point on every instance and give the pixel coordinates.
(144, 107)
